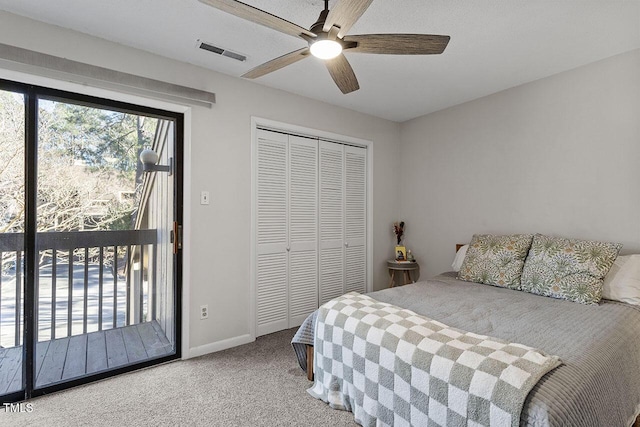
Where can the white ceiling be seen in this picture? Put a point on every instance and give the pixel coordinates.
(495, 44)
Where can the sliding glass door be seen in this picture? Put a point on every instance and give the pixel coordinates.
(98, 240)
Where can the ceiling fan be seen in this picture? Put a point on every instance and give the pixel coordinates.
(328, 39)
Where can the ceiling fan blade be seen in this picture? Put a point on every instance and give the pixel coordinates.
(258, 16)
(398, 44)
(344, 14)
(342, 74)
(276, 64)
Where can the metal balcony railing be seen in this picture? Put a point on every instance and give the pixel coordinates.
(86, 281)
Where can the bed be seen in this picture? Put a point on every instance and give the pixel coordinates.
(598, 380)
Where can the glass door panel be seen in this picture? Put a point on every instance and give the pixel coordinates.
(105, 287)
(12, 223)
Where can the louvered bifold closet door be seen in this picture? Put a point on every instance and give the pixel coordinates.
(331, 264)
(355, 165)
(303, 228)
(272, 233)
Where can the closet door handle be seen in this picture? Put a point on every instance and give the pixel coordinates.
(346, 244)
(288, 248)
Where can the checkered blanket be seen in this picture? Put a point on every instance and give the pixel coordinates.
(393, 367)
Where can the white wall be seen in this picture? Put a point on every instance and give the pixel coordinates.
(560, 155)
(220, 161)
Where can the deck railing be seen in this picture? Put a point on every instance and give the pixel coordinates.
(117, 267)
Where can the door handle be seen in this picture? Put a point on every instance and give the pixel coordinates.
(176, 237)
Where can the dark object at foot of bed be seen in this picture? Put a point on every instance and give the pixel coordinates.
(310, 366)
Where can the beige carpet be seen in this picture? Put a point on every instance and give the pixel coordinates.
(258, 384)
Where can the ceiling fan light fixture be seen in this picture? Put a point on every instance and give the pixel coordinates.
(326, 49)
(328, 38)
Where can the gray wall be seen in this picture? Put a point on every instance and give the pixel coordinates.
(560, 156)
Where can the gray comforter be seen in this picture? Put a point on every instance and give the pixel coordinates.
(598, 383)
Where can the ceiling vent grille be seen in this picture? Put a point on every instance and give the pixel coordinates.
(221, 51)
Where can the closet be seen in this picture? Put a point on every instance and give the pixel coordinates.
(310, 225)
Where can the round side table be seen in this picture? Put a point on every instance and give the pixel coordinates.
(406, 268)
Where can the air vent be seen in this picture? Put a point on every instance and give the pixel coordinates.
(221, 51)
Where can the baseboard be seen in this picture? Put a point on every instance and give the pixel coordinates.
(220, 345)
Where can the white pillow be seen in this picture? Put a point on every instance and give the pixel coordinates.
(622, 282)
(457, 261)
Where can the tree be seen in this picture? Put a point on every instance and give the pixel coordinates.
(98, 151)
(11, 162)
(88, 168)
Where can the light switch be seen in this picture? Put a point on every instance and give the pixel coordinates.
(204, 197)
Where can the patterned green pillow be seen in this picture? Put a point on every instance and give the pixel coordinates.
(496, 260)
(568, 268)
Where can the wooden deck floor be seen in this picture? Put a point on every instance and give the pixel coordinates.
(79, 355)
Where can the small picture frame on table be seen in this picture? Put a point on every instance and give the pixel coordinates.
(401, 253)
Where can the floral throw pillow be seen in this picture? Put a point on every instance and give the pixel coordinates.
(496, 260)
(570, 269)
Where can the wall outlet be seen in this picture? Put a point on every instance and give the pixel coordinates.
(204, 312)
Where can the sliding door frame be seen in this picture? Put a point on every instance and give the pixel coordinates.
(31, 95)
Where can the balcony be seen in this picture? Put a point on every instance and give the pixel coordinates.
(109, 312)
